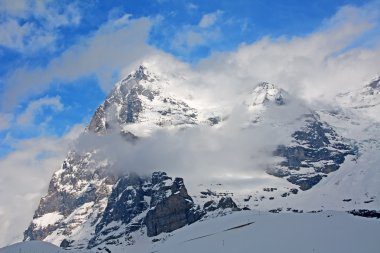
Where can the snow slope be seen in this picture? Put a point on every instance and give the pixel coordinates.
(37, 247)
(250, 231)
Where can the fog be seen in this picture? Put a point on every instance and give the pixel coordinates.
(232, 150)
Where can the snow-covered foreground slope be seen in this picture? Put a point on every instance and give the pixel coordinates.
(251, 231)
(37, 247)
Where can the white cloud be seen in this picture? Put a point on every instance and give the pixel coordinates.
(315, 66)
(187, 39)
(192, 36)
(5, 121)
(202, 150)
(24, 178)
(14, 8)
(12, 33)
(55, 18)
(35, 107)
(319, 64)
(192, 6)
(209, 19)
(28, 26)
(24, 36)
(114, 46)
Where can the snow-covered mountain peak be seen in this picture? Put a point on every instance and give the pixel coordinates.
(264, 100)
(144, 101)
(142, 79)
(365, 99)
(141, 73)
(265, 93)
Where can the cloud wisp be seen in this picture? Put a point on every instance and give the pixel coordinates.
(27, 117)
(29, 26)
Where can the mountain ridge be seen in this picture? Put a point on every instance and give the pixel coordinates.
(101, 207)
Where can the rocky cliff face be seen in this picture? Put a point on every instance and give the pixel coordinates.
(316, 150)
(171, 206)
(77, 195)
(158, 204)
(142, 102)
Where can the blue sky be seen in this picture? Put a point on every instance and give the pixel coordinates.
(35, 35)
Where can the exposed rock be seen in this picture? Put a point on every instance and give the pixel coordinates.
(275, 210)
(79, 183)
(226, 202)
(125, 202)
(316, 146)
(269, 189)
(305, 183)
(247, 198)
(132, 98)
(65, 243)
(171, 206)
(209, 193)
(210, 206)
(366, 213)
(214, 120)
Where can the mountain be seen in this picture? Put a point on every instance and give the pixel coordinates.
(296, 159)
(315, 149)
(365, 100)
(145, 101)
(82, 195)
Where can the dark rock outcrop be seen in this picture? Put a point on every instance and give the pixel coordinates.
(171, 207)
(366, 213)
(305, 183)
(210, 206)
(125, 202)
(65, 243)
(226, 202)
(316, 146)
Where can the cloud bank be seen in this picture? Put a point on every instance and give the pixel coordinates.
(320, 64)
